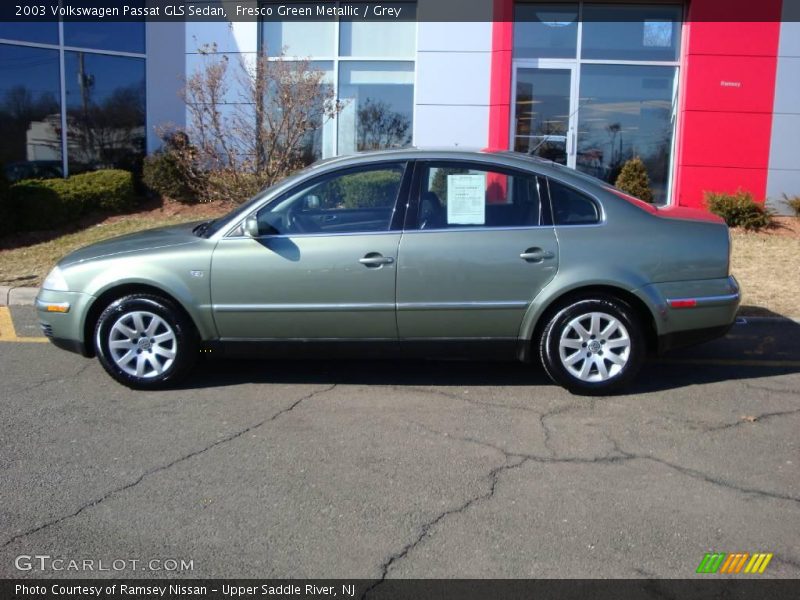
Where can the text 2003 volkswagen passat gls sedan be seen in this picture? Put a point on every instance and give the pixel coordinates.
(444, 254)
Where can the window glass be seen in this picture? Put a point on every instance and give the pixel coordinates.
(105, 111)
(631, 32)
(300, 38)
(43, 32)
(117, 36)
(374, 38)
(627, 112)
(545, 30)
(570, 207)
(378, 102)
(457, 195)
(356, 201)
(30, 113)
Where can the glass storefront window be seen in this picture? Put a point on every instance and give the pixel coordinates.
(627, 112)
(301, 39)
(115, 36)
(545, 30)
(395, 39)
(379, 105)
(30, 112)
(36, 32)
(631, 32)
(105, 111)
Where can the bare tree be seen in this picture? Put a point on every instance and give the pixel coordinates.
(250, 122)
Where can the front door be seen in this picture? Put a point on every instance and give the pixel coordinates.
(323, 266)
(544, 120)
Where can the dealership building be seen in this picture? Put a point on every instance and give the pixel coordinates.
(706, 93)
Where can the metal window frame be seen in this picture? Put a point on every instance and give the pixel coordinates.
(336, 58)
(576, 64)
(62, 49)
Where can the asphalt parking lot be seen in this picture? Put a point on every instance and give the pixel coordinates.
(386, 469)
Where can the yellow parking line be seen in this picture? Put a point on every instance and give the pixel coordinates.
(9, 334)
(729, 362)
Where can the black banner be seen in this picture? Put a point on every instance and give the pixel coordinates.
(399, 589)
(376, 10)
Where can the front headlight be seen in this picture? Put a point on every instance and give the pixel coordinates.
(55, 281)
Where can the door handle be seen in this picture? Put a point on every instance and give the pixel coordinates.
(375, 259)
(536, 255)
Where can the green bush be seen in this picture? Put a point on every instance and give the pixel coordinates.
(739, 210)
(633, 180)
(50, 203)
(163, 175)
(793, 202)
(375, 189)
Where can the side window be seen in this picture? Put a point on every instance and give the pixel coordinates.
(354, 201)
(454, 195)
(570, 207)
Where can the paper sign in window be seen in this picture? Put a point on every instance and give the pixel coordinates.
(466, 199)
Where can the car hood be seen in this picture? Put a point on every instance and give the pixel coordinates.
(151, 239)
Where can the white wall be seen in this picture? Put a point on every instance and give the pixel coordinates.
(452, 84)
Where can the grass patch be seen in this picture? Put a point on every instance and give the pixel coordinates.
(28, 265)
(767, 266)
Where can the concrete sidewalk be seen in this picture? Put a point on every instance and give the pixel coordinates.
(17, 296)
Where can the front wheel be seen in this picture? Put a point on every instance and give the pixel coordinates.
(145, 342)
(593, 346)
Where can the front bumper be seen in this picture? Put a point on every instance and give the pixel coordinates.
(62, 316)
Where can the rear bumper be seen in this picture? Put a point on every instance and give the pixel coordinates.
(693, 312)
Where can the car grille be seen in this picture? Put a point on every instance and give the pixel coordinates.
(47, 329)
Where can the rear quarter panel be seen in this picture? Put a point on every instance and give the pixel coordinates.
(632, 249)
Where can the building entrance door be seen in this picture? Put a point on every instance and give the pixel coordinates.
(543, 119)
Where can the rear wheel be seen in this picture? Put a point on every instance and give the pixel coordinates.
(593, 346)
(145, 342)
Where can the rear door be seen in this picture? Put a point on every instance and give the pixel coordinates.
(477, 248)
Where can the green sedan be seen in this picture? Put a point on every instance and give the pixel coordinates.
(440, 254)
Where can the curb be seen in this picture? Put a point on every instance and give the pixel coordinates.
(17, 296)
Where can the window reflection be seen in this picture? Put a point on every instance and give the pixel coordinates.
(626, 112)
(630, 32)
(105, 111)
(117, 36)
(42, 32)
(546, 30)
(30, 113)
(379, 105)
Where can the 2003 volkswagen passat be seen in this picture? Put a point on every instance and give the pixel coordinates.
(446, 254)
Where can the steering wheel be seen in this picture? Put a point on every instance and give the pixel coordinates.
(298, 223)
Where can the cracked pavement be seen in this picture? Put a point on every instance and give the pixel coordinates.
(390, 469)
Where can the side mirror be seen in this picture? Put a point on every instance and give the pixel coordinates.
(251, 227)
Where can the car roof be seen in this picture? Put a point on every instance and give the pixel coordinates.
(502, 157)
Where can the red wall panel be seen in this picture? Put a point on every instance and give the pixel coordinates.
(725, 139)
(698, 180)
(727, 96)
(730, 83)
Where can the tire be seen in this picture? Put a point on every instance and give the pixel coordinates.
(155, 361)
(593, 346)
